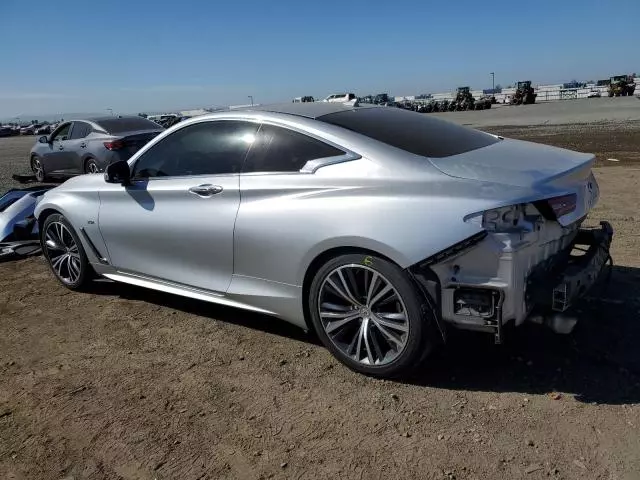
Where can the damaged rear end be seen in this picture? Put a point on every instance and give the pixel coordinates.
(532, 258)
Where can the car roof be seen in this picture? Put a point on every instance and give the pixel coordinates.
(106, 117)
(305, 109)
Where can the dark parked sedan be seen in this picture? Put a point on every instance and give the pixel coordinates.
(30, 129)
(6, 131)
(88, 146)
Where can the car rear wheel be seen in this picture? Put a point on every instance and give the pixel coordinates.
(91, 166)
(64, 252)
(38, 169)
(368, 313)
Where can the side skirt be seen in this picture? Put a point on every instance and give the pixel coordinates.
(181, 290)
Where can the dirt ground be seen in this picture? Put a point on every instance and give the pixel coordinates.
(124, 383)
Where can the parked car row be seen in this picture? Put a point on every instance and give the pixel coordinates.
(377, 227)
(33, 129)
(9, 130)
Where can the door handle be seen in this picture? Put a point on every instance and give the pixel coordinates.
(205, 190)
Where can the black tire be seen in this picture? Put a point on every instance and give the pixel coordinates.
(38, 169)
(85, 274)
(91, 166)
(419, 339)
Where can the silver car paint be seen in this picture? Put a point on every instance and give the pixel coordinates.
(388, 201)
(184, 234)
(496, 163)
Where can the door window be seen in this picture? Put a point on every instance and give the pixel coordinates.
(80, 130)
(62, 133)
(279, 149)
(206, 148)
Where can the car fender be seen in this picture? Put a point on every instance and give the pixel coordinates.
(349, 242)
(278, 234)
(81, 208)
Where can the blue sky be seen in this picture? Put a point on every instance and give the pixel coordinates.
(144, 55)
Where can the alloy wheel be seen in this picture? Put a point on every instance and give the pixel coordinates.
(363, 314)
(92, 167)
(63, 253)
(38, 171)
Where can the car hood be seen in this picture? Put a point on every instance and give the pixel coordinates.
(85, 182)
(518, 163)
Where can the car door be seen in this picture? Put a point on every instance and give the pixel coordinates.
(75, 147)
(175, 222)
(55, 153)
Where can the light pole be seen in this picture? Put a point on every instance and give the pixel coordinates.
(251, 98)
(493, 81)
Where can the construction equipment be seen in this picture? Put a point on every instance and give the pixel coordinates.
(621, 86)
(486, 101)
(382, 99)
(464, 100)
(525, 94)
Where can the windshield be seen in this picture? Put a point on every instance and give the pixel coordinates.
(410, 131)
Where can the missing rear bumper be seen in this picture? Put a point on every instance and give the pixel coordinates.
(557, 284)
(490, 283)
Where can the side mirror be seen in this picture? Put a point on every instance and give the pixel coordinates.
(118, 172)
(43, 139)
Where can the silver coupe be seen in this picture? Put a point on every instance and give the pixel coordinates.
(376, 227)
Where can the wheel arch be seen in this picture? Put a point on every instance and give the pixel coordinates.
(47, 212)
(317, 263)
(423, 280)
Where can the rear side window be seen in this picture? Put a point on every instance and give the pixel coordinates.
(117, 125)
(80, 130)
(279, 149)
(413, 132)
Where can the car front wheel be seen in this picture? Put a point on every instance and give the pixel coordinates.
(64, 252)
(38, 169)
(368, 313)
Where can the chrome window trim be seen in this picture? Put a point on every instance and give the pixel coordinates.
(308, 168)
(313, 165)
